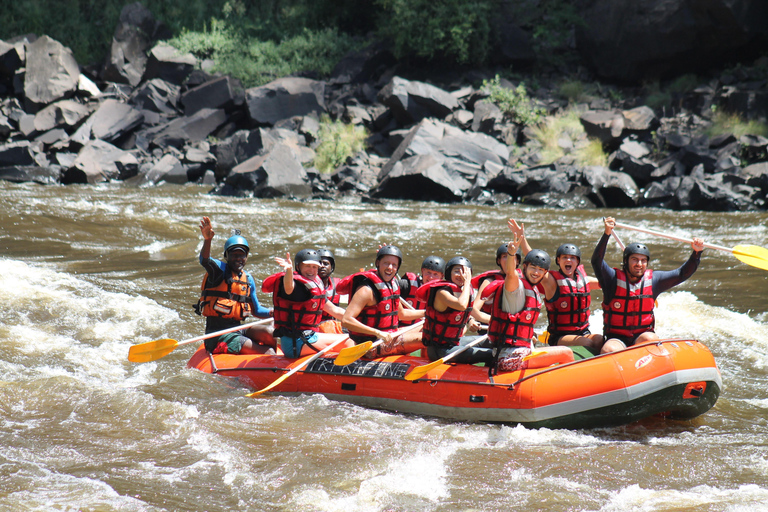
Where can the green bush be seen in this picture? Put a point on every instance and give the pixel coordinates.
(550, 130)
(725, 122)
(337, 142)
(513, 102)
(453, 30)
(257, 62)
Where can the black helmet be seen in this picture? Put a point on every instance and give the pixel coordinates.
(435, 263)
(390, 250)
(538, 258)
(502, 250)
(458, 260)
(326, 254)
(568, 249)
(306, 256)
(636, 248)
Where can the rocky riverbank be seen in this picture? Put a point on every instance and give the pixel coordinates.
(152, 114)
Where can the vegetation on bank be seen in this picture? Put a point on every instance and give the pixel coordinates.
(256, 41)
(337, 142)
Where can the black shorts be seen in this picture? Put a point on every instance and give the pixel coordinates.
(554, 336)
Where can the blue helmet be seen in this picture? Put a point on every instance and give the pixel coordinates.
(236, 241)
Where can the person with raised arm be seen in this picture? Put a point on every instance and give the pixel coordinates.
(228, 296)
(629, 293)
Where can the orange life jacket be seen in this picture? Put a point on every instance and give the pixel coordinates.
(227, 300)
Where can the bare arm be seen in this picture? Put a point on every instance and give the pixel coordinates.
(511, 280)
(207, 231)
(362, 297)
(288, 268)
(333, 310)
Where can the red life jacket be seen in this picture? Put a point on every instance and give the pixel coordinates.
(290, 316)
(493, 275)
(230, 299)
(442, 328)
(382, 316)
(514, 329)
(412, 299)
(332, 295)
(568, 311)
(630, 311)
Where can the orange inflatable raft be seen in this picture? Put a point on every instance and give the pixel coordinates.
(674, 378)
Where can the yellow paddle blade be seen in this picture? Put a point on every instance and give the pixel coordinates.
(151, 351)
(544, 337)
(752, 255)
(422, 370)
(351, 354)
(534, 354)
(274, 384)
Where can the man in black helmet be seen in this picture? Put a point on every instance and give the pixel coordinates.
(228, 297)
(327, 267)
(431, 270)
(374, 310)
(629, 293)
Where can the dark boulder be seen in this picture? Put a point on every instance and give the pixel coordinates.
(48, 175)
(181, 130)
(137, 29)
(604, 125)
(423, 178)
(284, 98)
(236, 149)
(65, 113)
(113, 119)
(168, 169)
(97, 162)
(275, 174)
(157, 95)
(170, 64)
(412, 101)
(224, 92)
(611, 189)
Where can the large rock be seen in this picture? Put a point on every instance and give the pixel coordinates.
(275, 174)
(99, 161)
(285, 98)
(236, 149)
(611, 189)
(113, 120)
(630, 40)
(170, 64)
(157, 95)
(48, 175)
(52, 73)
(137, 29)
(463, 157)
(412, 101)
(217, 93)
(64, 113)
(188, 128)
(12, 58)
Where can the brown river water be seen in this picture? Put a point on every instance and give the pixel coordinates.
(85, 272)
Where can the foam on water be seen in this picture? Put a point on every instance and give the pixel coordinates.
(703, 497)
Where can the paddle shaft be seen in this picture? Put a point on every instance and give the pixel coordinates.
(298, 367)
(671, 237)
(465, 347)
(224, 331)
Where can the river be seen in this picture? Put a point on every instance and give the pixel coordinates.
(87, 271)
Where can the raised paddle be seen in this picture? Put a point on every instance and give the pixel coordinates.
(297, 368)
(422, 370)
(749, 254)
(153, 350)
(351, 354)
